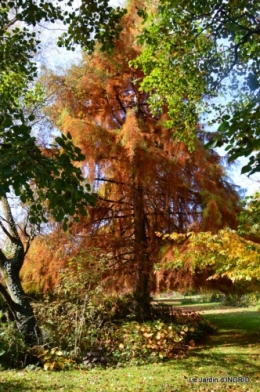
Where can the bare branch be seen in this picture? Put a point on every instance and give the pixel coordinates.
(109, 180)
(46, 28)
(11, 23)
(113, 201)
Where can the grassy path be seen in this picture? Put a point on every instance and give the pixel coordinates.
(232, 352)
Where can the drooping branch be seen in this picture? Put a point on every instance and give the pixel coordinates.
(113, 201)
(109, 180)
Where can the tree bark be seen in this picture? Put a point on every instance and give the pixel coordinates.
(12, 290)
(142, 265)
(19, 305)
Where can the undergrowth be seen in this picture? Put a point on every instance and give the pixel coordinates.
(83, 327)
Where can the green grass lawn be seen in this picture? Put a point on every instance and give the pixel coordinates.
(233, 351)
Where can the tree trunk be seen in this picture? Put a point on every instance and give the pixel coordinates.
(142, 267)
(11, 290)
(19, 305)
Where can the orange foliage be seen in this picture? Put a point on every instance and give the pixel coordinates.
(44, 263)
(146, 182)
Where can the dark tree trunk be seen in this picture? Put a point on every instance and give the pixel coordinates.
(142, 265)
(19, 306)
(11, 289)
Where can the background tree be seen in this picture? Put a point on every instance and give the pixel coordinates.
(249, 217)
(10, 265)
(222, 261)
(145, 181)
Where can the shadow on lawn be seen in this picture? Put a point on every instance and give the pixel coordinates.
(204, 360)
(233, 338)
(228, 361)
(239, 338)
(237, 329)
(14, 386)
(25, 386)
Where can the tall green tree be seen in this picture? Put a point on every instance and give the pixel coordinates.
(35, 174)
(22, 160)
(197, 50)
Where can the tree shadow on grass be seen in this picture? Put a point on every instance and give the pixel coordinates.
(241, 330)
(241, 316)
(228, 361)
(204, 364)
(233, 350)
(24, 386)
(14, 386)
(236, 339)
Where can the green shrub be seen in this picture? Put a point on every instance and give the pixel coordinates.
(252, 299)
(52, 359)
(217, 297)
(87, 333)
(13, 351)
(187, 301)
(75, 308)
(232, 300)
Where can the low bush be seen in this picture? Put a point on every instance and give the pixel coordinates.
(52, 359)
(252, 299)
(85, 334)
(13, 350)
(150, 341)
(144, 343)
(82, 326)
(232, 300)
(216, 297)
